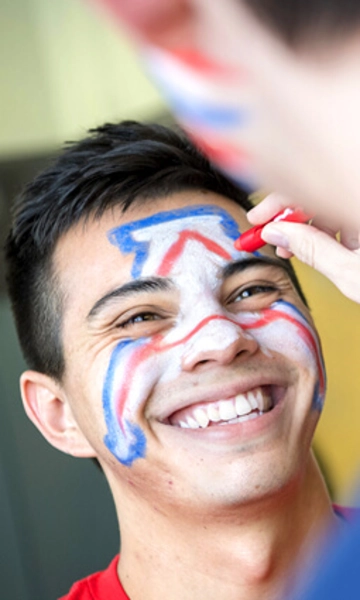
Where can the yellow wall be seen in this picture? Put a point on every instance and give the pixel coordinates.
(64, 68)
(338, 322)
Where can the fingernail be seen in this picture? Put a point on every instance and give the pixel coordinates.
(271, 235)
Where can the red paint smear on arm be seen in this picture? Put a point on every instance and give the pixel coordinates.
(220, 152)
(196, 60)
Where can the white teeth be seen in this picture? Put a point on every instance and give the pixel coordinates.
(260, 399)
(200, 415)
(192, 423)
(240, 419)
(242, 405)
(213, 413)
(263, 401)
(252, 399)
(233, 410)
(227, 410)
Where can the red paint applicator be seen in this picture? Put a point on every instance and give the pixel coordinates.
(251, 240)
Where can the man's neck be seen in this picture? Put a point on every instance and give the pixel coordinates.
(246, 552)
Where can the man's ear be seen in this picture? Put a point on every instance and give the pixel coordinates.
(47, 407)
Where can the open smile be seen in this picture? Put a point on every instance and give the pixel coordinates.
(236, 409)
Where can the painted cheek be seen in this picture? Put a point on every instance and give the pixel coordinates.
(134, 369)
(282, 328)
(212, 102)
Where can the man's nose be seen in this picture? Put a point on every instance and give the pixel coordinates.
(218, 340)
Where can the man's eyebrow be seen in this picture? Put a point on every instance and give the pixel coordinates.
(242, 264)
(132, 288)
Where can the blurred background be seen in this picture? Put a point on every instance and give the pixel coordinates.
(64, 67)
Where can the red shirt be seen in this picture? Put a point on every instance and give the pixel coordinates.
(104, 585)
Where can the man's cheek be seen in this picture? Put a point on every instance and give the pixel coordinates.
(135, 368)
(122, 395)
(284, 330)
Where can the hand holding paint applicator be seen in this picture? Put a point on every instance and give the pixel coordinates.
(336, 257)
(251, 240)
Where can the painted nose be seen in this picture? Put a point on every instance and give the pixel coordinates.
(219, 341)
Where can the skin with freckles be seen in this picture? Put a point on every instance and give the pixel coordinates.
(189, 249)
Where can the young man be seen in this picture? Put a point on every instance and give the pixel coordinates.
(191, 371)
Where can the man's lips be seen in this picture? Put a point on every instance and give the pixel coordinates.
(232, 409)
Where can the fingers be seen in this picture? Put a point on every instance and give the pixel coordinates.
(268, 208)
(350, 238)
(321, 251)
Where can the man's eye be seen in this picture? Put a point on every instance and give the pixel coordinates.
(253, 290)
(143, 317)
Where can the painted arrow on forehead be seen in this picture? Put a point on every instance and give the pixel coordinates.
(136, 237)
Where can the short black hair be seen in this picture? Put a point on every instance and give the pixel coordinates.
(300, 22)
(116, 165)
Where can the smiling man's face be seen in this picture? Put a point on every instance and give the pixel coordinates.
(193, 369)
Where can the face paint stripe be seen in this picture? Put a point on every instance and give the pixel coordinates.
(139, 356)
(124, 439)
(109, 379)
(271, 315)
(177, 249)
(155, 346)
(123, 237)
(306, 322)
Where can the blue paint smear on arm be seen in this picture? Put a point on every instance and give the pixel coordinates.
(204, 113)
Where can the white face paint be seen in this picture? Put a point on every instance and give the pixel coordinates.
(191, 247)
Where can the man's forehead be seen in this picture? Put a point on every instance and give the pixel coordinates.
(141, 234)
(169, 233)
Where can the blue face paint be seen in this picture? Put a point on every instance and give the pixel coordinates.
(124, 237)
(124, 439)
(191, 245)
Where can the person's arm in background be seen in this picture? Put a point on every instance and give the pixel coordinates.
(338, 258)
(298, 107)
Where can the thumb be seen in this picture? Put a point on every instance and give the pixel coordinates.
(320, 251)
